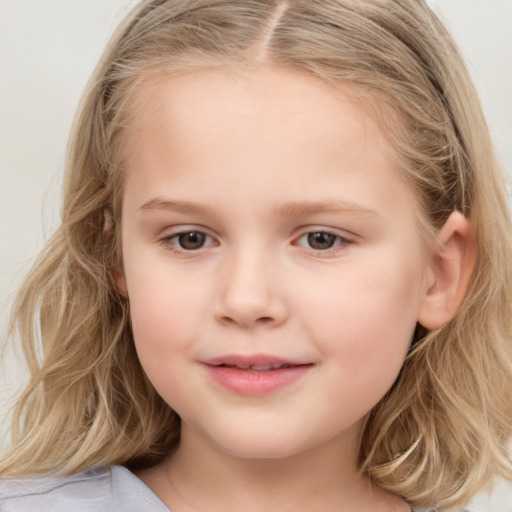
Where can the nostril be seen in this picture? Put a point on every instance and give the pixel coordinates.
(228, 320)
(265, 320)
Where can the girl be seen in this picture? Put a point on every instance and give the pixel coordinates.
(281, 279)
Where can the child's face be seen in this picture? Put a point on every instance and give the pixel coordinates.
(265, 221)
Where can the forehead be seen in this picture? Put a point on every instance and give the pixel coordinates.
(254, 127)
(201, 101)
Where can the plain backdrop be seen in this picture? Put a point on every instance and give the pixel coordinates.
(47, 52)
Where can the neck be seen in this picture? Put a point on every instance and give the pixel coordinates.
(325, 478)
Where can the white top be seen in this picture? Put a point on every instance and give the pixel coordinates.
(113, 489)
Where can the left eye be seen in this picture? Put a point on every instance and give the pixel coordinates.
(321, 240)
(190, 240)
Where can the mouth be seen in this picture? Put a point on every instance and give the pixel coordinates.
(258, 367)
(255, 375)
(255, 362)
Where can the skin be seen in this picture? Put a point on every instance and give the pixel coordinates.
(251, 160)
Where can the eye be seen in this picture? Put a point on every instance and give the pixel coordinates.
(322, 240)
(188, 241)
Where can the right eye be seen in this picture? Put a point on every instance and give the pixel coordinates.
(188, 241)
(323, 241)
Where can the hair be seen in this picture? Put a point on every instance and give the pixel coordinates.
(441, 432)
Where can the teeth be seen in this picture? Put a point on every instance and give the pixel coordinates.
(262, 367)
(258, 367)
(267, 367)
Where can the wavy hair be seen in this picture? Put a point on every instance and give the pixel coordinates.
(441, 431)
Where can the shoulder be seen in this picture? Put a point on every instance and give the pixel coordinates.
(497, 498)
(90, 490)
(430, 509)
(113, 489)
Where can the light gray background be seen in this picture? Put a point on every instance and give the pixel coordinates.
(47, 52)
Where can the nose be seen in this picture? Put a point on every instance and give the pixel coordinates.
(249, 293)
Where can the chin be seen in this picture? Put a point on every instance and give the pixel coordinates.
(263, 451)
(263, 445)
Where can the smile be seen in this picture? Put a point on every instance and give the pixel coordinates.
(259, 367)
(255, 375)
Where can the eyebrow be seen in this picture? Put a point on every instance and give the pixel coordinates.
(298, 208)
(287, 209)
(160, 204)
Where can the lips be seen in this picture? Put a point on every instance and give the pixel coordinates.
(258, 367)
(255, 374)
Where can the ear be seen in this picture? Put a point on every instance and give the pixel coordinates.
(120, 279)
(452, 260)
(117, 271)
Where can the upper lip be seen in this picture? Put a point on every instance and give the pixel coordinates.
(248, 361)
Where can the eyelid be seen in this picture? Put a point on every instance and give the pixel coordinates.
(168, 237)
(344, 239)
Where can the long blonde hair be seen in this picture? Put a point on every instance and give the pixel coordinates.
(441, 432)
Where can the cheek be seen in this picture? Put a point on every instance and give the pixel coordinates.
(363, 321)
(164, 314)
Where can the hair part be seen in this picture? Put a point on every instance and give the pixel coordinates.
(441, 432)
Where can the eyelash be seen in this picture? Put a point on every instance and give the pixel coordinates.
(339, 242)
(173, 244)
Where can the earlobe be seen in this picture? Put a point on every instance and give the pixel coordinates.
(120, 280)
(117, 270)
(451, 265)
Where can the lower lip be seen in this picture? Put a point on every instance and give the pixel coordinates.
(250, 382)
